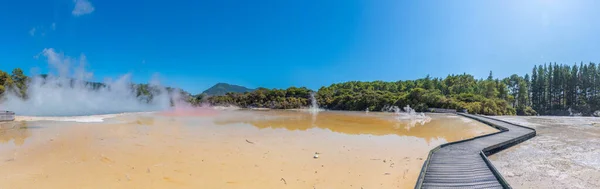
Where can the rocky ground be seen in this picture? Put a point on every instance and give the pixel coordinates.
(564, 154)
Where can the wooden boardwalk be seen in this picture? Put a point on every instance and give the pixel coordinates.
(7, 116)
(464, 164)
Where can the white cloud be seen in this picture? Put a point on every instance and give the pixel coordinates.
(41, 30)
(32, 32)
(82, 7)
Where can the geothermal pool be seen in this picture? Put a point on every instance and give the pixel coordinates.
(225, 149)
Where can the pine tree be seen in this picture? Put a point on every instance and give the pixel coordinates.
(550, 86)
(534, 89)
(540, 89)
(592, 79)
(528, 90)
(597, 81)
(544, 89)
(522, 99)
(556, 102)
(572, 90)
(585, 81)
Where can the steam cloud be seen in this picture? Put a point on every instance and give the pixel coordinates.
(68, 93)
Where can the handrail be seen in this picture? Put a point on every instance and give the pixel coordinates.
(486, 151)
(7, 116)
(496, 173)
(426, 163)
(7, 112)
(424, 168)
(514, 124)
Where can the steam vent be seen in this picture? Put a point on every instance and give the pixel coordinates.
(7, 116)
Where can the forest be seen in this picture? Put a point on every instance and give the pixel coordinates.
(489, 96)
(550, 89)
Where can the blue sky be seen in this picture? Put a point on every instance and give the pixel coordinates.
(280, 43)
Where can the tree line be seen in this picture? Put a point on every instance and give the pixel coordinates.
(290, 98)
(453, 92)
(557, 89)
(551, 89)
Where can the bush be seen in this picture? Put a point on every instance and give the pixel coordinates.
(526, 111)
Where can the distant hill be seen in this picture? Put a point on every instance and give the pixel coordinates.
(224, 88)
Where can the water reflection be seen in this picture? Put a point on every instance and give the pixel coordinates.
(408, 124)
(16, 132)
(441, 126)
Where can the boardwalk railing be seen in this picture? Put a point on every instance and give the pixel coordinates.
(441, 110)
(496, 173)
(426, 163)
(506, 144)
(7, 116)
(484, 152)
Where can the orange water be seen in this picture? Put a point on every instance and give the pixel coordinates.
(226, 149)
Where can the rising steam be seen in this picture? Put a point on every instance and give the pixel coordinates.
(65, 92)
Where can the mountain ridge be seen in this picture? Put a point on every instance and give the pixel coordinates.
(220, 89)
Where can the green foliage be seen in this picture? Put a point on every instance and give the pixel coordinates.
(556, 88)
(552, 89)
(5, 82)
(20, 82)
(453, 92)
(526, 111)
(224, 88)
(290, 98)
(197, 99)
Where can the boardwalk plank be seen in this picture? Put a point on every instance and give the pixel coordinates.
(462, 165)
